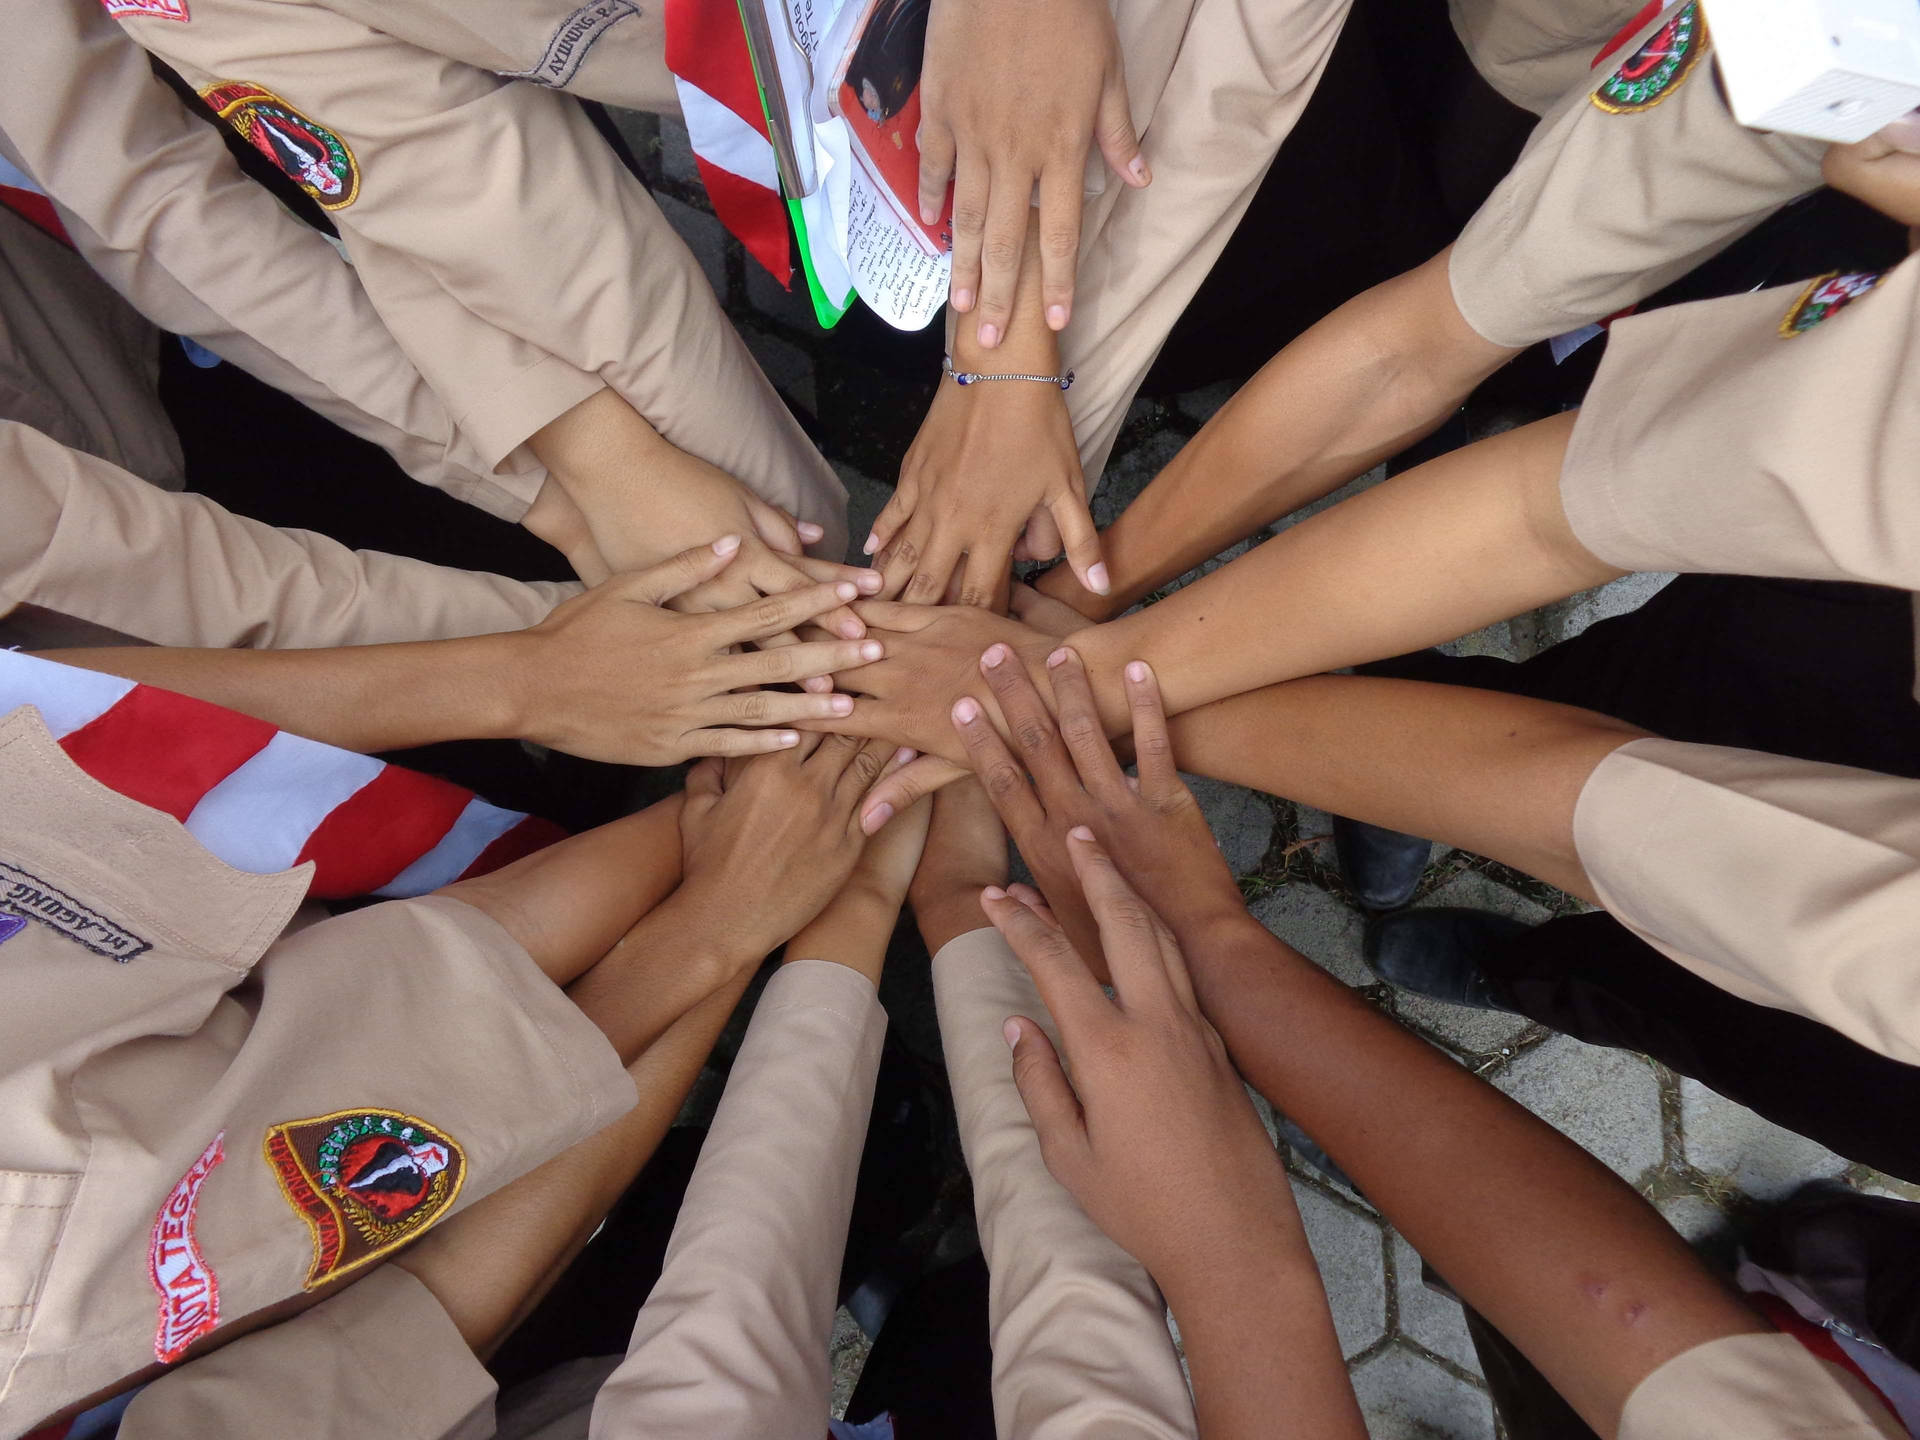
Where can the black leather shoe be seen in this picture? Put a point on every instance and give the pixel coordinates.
(1436, 953)
(1381, 867)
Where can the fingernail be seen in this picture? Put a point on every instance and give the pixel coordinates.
(872, 650)
(904, 754)
(876, 817)
(993, 892)
(789, 737)
(1137, 168)
(929, 215)
(963, 299)
(871, 544)
(994, 656)
(1097, 579)
(1011, 1030)
(841, 704)
(989, 335)
(869, 581)
(1056, 317)
(846, 591)
(726, 545)
(811, 532)
(966, 710)
(1137, 671)
(851, 630)
(1058, 658)
(1081, 832)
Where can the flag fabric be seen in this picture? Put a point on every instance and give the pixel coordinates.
(264, 800)
(22, 194)
(706, 49)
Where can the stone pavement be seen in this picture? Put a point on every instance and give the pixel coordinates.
(1698, 1157)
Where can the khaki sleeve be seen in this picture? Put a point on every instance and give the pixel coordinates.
(451, 184)
(1625, 185)
(733, 1340)
(155, 203)
(1535, 51)
(1785, 882)
(1771, 433)
(90, 541)
(1079, 1331)
(1754, 1387)
(380, 1358)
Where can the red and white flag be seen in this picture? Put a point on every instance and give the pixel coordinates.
(21, 193)
(712, 70)
(264, 800)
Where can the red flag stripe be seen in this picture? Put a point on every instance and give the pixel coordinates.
(165, 750)
(529, 835)
(1626, 32)
(706, 43)
(37, 209)
(754, 214)
(379, 830)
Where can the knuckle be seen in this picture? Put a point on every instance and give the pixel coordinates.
(1000, 253)
(1080, 730)
(1032, 734)
(768, 612)
(1154, 743)
(775, 665)
(969, 217)
(1059, 244)
(866, 767)
(755, 707)
(1003, 781)
(975, 596)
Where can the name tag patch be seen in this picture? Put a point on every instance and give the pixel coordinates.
(25, 896)
(189, 1293)
(577, 34)
(158, 9)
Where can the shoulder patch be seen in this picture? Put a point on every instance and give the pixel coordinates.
(157, 9)
(307, 152)
(189, 1293)
(567, 50)
(365, 1181)
(1659, 67)
(25, 896)
(1824, 295)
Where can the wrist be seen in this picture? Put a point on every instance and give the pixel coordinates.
(722, 945)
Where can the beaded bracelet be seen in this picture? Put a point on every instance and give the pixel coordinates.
(967, 377)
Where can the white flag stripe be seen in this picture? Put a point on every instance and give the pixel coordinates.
(260, 817)
(722, 138)
(479, 825)
(11, 174)
(67, 697)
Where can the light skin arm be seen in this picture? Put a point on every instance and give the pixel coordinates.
(1360, 386)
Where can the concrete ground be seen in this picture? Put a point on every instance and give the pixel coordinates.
(1698, 1157)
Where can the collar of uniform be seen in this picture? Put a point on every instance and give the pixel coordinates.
(133, 862)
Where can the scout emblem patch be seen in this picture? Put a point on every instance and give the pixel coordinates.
(158, 9)
(189, 1294)
(1822, 297)
(307, 152)
(1658, 67)
(365, 1181)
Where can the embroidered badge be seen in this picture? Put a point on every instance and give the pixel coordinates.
(1823, 297)
(158, 9)
(365, 1181)
(567, 51)
(189, 1293)
(306, 152)
(29, 897)
(1658, 67)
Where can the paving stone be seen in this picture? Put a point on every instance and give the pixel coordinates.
(705, 236)
(1694, 1217)
(1475, 1031)
(1326, 502)
(1426, 1315)
(1346, 1246)
(1242, 820)
(1564, 619)
(788, 366)
(1405, 1396)
(1874, 1183)
(1131, 471)
(849, 1349)
(1325, 930)
(1761, 1158)
(676, 152)
(1203, 404)
(1605, 1100)
(866, 498)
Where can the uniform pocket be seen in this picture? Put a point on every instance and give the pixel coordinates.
(33, 1210)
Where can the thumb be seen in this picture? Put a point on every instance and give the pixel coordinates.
(705, 784)
(1113, 131)
(1050, 1101)
(658, 584)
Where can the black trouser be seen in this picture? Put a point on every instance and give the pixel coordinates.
(1812, 670)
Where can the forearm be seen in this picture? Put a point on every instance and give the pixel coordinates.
(1561, 1256)
(1360, 386)
(359, 697)
(600, 451)
(1475, 536)
(1027, 344)
(1495, 774)
(853, 931)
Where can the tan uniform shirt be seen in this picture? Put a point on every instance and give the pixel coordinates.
(152, 199)
(1635, 176)
(1754, 1387)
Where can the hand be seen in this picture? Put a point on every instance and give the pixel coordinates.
(1882, 170)
(1013, 93)
(1044, 612)
(768, 841)
(556, 519)
(1154, 1135)
(1154, 829)
(857, 926)
(610, 675)
(988, 457)
(1061, 586)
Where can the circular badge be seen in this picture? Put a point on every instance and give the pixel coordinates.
(1824, 296)
(1658, 67)
(306, 152)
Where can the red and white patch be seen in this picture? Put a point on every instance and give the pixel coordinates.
(158, 9)
(189, 1293)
